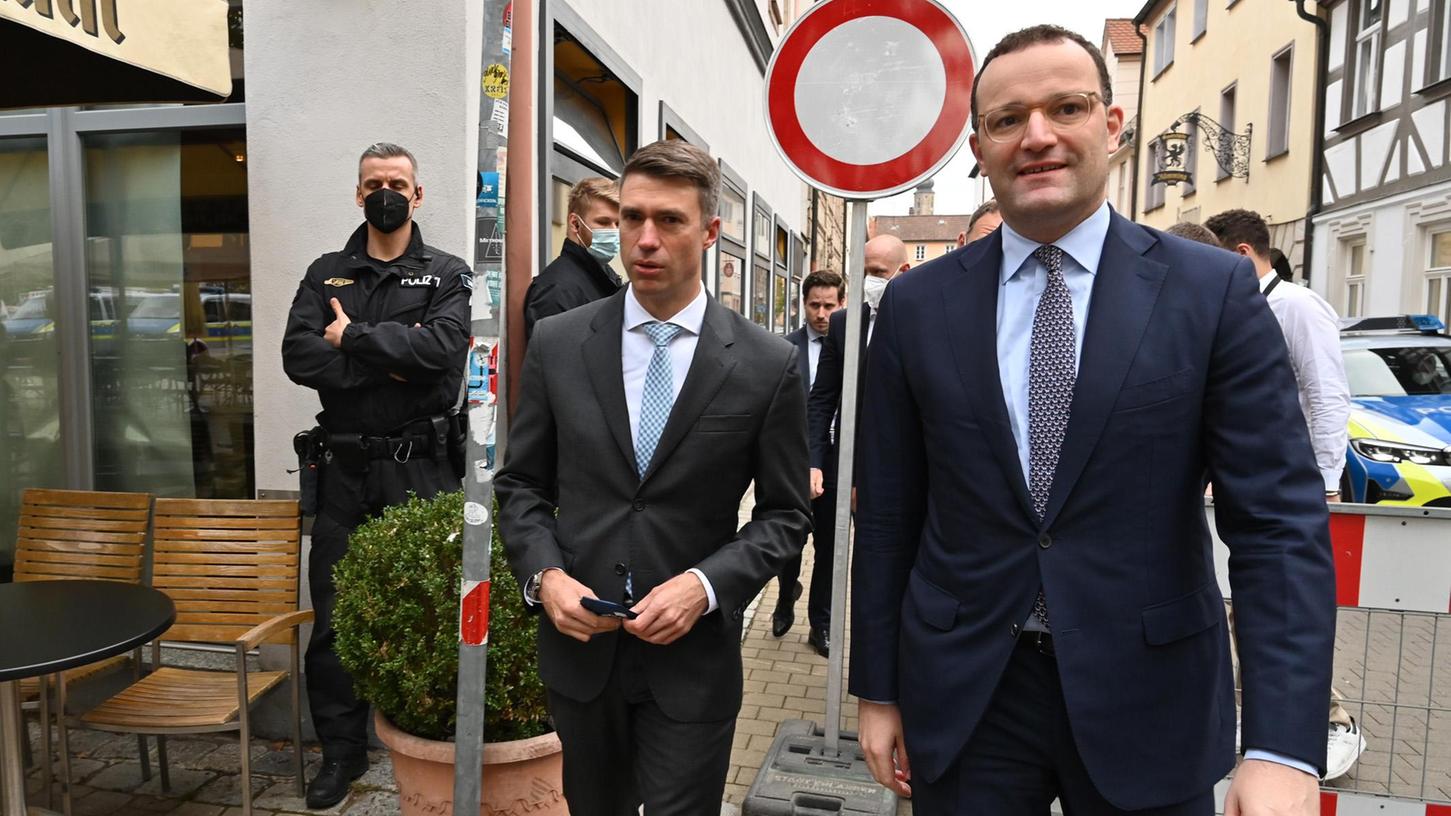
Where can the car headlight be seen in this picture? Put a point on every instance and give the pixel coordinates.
(1378, 450)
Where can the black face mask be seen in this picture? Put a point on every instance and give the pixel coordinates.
(386, 209)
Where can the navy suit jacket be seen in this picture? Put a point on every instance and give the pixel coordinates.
(1183, 377)
(801, 340)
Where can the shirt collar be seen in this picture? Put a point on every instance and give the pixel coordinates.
(691, 318)
(1083, 243)
(1266, 278)
(813, 334)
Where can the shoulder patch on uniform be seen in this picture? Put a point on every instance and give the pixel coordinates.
(338, 282)
(467, 279)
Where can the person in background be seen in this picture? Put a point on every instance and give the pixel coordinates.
(581, 273)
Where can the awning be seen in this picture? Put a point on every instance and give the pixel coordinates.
(75, 52)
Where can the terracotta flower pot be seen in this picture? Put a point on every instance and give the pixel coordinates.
(520, 776)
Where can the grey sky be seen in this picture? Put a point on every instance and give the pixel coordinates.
(987, 21)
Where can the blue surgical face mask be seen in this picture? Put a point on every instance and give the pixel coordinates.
(604, 244)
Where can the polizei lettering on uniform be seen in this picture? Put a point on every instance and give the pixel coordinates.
(87, 17)
(421, 280)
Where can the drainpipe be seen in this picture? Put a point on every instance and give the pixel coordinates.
(1139, 112)
(1317, 158)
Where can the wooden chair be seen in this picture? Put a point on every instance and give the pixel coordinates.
(72, 535)
(231, 567)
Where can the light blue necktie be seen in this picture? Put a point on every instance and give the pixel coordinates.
(658, 396)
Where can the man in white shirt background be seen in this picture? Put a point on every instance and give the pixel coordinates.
(1312, 334)
(822, 293)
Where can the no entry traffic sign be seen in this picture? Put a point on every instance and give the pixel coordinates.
(867, 98)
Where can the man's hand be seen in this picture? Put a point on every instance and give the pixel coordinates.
(334, 332)
(670, 610)
(880, 734)
(818, 483)
(1264, 788)
(560, 595)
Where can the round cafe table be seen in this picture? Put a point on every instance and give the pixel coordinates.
(50, 626)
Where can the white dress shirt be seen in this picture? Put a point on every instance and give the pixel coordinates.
(1313, 336)
(813, 354)
(636, 349)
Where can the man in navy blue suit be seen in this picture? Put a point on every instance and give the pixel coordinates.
(1035, 611)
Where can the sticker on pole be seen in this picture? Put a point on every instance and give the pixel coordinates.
(475, 514)
(473, 614)
(867, 99)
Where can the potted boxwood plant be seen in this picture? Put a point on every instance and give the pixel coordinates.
(397, 619)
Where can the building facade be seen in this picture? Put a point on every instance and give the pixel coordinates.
(1383, 232)
(1123, 52)
(926, 234)
(1238, 79)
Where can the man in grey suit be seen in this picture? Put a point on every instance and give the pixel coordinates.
(642, 419)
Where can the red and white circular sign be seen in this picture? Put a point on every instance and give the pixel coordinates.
(866, 98)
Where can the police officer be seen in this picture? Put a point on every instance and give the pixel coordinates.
(381, 330)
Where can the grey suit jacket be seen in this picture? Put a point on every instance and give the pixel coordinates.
(570, 496)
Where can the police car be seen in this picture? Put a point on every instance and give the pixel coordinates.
(1399, 370)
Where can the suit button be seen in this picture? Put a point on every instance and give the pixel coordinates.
(1014, 630)
(1045, 541)
(620, 569)
(638, 505)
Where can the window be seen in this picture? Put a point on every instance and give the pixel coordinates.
(1438, 278)
(1279, 139)
(1191, 159)
(1353, 300)
(1441, 68)
(1164, 41)
(1226, 120)
(1365, 67)
(1153, 193)
(595, 109)
(1201, 19)
(921, 252)
(731, 266)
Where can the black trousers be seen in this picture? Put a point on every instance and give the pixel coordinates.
(1022, 756)
(621, 750)
(346, 499)
(823, 536)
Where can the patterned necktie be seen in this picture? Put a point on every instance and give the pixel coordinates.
(658, 396)
(1052, 370)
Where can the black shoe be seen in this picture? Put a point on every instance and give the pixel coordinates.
(331, 784)
(819, 640)
(785, 614)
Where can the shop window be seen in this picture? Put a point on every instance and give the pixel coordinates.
(30, 441)
(594, 111)
(167, 252)
(1438, 278)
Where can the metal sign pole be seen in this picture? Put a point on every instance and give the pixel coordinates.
(856, 240)
(486, 305)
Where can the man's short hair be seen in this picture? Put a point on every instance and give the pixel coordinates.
(988, 207)
(1235, 227)
(679, 159)
(1044, 35)
(1194, 232)
(824, 278)
(590, 190)
(387, 150)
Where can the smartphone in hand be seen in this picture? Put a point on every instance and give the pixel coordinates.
(608, 608)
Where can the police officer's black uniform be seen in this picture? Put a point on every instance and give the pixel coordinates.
(568, 282)
(387, 395)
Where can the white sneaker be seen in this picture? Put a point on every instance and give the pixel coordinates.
(1342, 749)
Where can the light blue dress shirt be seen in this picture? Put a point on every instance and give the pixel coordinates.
(1022, 281)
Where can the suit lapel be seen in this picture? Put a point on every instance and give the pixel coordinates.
(603, 361)
(803, 356)
(709, 368)
(1125, 289)
(970, 304)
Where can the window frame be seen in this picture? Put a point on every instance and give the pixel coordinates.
(1280, 114)
(1440, 274)
(1359, 282)
(1353, 62)
(1164, 33)
(1227, 115)
(1201, 20)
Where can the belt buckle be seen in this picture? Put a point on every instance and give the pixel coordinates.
(1043, 642)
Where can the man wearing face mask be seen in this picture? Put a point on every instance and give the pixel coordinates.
(580, 274)
(381, 331)
(885, 258)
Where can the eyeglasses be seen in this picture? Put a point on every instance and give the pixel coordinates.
(1064, 112)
